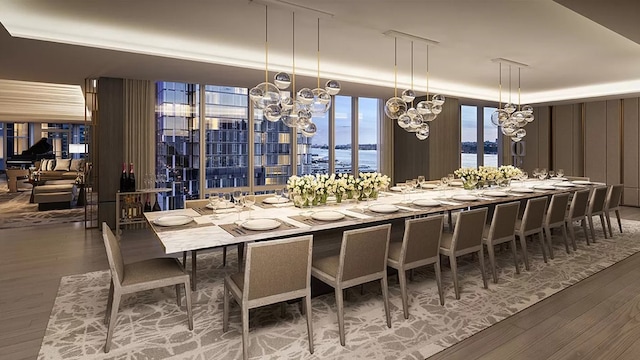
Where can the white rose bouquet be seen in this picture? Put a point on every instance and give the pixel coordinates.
(510, 171)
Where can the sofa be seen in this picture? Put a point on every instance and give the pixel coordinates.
(59, 169)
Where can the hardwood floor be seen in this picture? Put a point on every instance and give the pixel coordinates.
(597, 318)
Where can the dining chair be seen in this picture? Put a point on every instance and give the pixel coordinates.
(577, 178)
(555, 218)
(531, 224)
(502, 230)
(419, 247)
(578, 212)
(276, 271)
(596, 208)
(362, 259)
(613, 204)
(198, 204)
(466, 239)
(139, 276)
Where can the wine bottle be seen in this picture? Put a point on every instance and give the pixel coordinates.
(147, 204)
(124, 181)
(132, 178)
(156, 206)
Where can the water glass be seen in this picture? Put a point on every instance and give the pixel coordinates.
(249, 201)
(551, 174)
(560, 172)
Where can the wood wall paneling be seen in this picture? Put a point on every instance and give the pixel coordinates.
(444, 141)
(544, 135)
(537, 145)
(578, 143)
(631, 161)
(595, 119)
(613, 141)
(563, 141)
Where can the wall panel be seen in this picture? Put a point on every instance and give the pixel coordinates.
(631, 157)
(563, 141)
(613, 141)
(595, 119)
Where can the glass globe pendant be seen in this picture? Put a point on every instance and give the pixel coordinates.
(395, 107)
(332, 87)
(282, 80)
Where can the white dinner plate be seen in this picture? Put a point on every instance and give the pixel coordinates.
(220, 205)
(559, 178)
(544, 187)
(429, 186)
(582, 182)
(564, 184)
(173, 220)
(275, 200)
(426, 202)
(327, 215)
(496, 193)
(462, 197)
(456, 183)
(383, 208)
(260, 224)
(521, 190)
(395, 188)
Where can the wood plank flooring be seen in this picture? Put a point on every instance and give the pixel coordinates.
(598, 318)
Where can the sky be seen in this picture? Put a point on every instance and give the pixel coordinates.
(367, 118)
(469, 115)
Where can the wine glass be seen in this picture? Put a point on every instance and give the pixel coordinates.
(285, 192)
(560, 172)
(213, 204)
(552, 174)
(249, 201)
(542, 174)
(298, 200)
(356, 195)
(367, 192)
(444, 182)
(421, 180)
(238, 202)
(310, 195)
(535, 173)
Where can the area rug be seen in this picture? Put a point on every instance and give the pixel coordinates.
(151, 326)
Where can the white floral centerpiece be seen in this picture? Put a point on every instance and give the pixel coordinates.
(508, 173)
(488, 175)
(299, 187)
(372, 180)
(469, 177)
(323, 185)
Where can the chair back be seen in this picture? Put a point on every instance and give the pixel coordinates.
(277, 267)
(534, 214)
(199, 203)
(114, 256)
(364, 252)
(580, 178)
(613, 197)
(469, 229)
(557, 209)
(598, 197)
(578, 208)
(421, 239)
(504, 219)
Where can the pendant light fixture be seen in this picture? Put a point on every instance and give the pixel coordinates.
(512, 119)
(395, 106)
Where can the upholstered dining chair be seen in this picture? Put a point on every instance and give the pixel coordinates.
(502, 230)
(531, 224)
(596, 208)
(578, 178)
(466, 239)
(555, 218)
(362, 259)
(419, 247)
(613, 204)
(578, 212)
(276, 271)
(139, 276)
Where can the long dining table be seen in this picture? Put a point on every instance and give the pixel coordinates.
(208, 228)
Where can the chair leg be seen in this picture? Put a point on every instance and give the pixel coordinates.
(112, 319)
(619, 222)
(549, 242)
(515, 255)
(109, 303)
(608, 218)
(245, 332)
(184, 259)
(586, 233)
(225, 307)
(178, 300)
(307, 310)
(566, 239)
(224, 256)
(340, 305)
(482, 271)
(593, 233)
(450, 222)
(523, 245)
(402, 277)
(439, 281)
(240, 256)
(542, 246)
(385, 297)
(454, 270)
(187, 295)
(194, 254)
(572, 233)
(492, 261)
(604, 227)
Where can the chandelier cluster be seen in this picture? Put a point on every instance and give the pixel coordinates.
(413, 119)
(294, 111)
(512, 119)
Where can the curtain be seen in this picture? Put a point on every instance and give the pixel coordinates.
(139, 128)
(385, 139)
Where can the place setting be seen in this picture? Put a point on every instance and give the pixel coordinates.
(256, 226)
(177, 222)
(321, 217)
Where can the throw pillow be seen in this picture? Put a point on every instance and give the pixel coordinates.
(43, 164)
(62, 165)
(77, 165)
(51, 164)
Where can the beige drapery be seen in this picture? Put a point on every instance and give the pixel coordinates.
(385, 139)
(139, 128)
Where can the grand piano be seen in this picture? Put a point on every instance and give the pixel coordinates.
(40, 150)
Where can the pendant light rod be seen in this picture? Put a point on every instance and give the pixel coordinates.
(266, 43)
(500, 86)
(412, 65)
(509, 84)
(293, 54)
(318, 53)
(427, 72)
(518, 89)
(395, 67)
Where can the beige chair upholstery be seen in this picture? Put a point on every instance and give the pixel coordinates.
(556, 219)
(363, 258)
(613, 204)
(578, 212)
(466, 239)
(502, 230)
(276, 271)
(200, 203)
(419, 247)
(531, 224)
(596, 208)
(580, 178)
(139, 276)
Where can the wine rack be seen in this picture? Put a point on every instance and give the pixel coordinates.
(130, 207)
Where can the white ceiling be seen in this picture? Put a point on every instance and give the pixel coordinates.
(222, 42)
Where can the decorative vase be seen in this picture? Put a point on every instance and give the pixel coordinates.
(467, 185)
(338, 198)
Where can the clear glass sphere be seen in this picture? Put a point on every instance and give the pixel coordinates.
(264, 94)
(516, 138)
(509, 108)
(272, 112)
(408, 95)
(282, 80)
(304, 117)
(519, 118)
(416, 118)
(520, 133)
(423, 132)
(394, 107)
(529, 118)
(437, 99)
(332, 87)
(424, 107)
(429, 117)
(499, 117)
(509, 127)
(527, 109)
(286, 103)
(321, 101)
(309, 130)
(436, 109)
(404, 121)
(305, 96)
(289, 117)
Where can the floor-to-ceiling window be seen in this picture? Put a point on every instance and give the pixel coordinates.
(490, 132)
(478, 136)
(272, 151)
(343, 134)
(368, 125)
(469, 136)
(317, 158)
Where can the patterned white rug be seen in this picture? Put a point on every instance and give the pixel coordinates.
(151, 326)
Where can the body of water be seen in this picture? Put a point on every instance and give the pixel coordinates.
(368, 158)
(471, 160)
